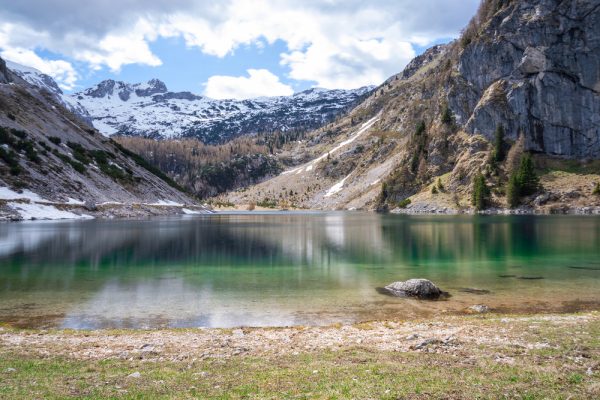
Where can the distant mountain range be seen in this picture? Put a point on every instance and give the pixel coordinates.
(151, 110)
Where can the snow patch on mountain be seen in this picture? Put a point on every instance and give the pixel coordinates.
(43, 81)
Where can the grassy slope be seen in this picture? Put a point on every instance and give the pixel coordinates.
(555, 359)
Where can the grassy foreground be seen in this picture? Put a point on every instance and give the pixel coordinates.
(533, 357)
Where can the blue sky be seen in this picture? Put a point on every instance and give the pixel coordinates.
(186, 69)
(230, 48)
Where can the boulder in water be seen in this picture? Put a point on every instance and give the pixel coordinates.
(419, 288)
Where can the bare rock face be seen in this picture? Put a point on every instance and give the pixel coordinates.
(3, 72)
(419, 288)
(535, 69)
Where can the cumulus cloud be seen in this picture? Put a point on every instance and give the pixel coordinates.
(258, 83)
(333, 43)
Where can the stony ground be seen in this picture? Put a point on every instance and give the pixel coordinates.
(479, 356)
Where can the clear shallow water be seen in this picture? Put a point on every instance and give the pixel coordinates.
(289, 268)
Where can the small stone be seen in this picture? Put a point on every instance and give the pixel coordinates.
(414, 336)
(480, 308)
(238, 333)
(147, 348)
(10, 370)
(589, 371)
(136, 374)
(426, 343)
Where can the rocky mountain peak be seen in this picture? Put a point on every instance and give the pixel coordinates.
(123, 90)
(153, 86)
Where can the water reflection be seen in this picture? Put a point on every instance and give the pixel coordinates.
(274, 269)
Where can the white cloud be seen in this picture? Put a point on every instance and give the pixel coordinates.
(121, 48)
(258, 83)
(334, 43)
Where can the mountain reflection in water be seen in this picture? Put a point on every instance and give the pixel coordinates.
(287, 268)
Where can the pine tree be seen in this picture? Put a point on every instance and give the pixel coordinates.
(499, 154)
(440, 185)
(596, 190)
(481, 193)
(447, 117)
(512, 191)
(528, 179)
(522, 182)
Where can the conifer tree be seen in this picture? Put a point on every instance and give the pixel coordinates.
(528, 179)
(481, 193)
(499, 154)
(523, 182)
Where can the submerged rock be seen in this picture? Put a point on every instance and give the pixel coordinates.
(419, 288)
(474, 291)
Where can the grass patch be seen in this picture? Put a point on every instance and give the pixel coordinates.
(348, 374)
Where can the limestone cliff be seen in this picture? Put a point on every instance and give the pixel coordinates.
(534, 67)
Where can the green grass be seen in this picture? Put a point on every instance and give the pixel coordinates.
(349, 374)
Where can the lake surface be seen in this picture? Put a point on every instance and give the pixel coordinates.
(279, 269)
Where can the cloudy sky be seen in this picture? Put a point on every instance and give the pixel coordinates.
(226, 48)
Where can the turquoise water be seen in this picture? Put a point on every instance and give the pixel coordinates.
(289, 268)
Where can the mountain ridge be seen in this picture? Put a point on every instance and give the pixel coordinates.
(53, 165)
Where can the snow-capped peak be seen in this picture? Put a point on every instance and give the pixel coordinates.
(109, 88)
(149, 109)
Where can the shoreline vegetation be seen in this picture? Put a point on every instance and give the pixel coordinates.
(526, 356)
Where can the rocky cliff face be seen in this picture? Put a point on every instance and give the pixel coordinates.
(3, 72)
(534, 67)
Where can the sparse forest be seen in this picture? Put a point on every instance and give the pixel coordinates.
(207, 170)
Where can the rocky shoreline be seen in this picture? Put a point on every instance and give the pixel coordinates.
(431, 209)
